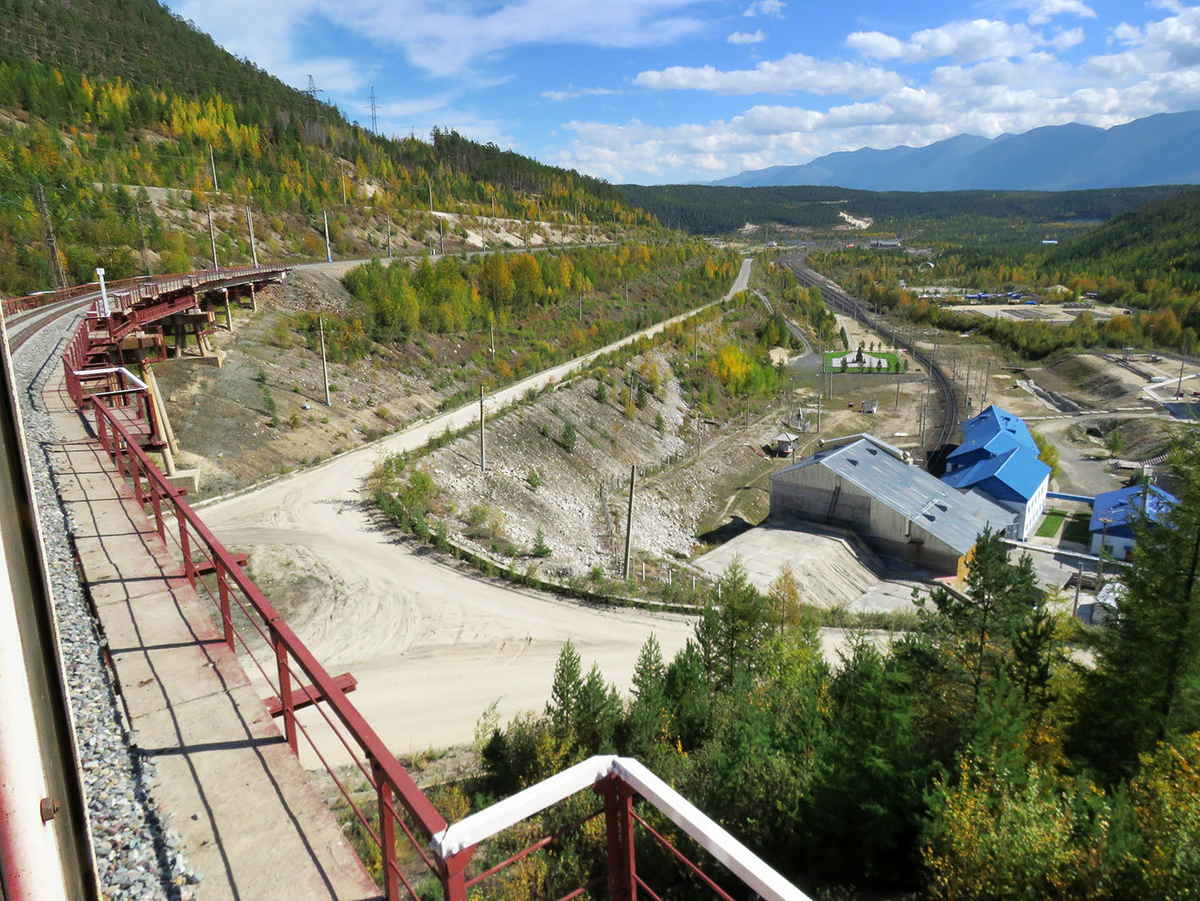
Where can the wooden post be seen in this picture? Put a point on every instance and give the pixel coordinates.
(253, 248)
(324, 362)
(629, 519)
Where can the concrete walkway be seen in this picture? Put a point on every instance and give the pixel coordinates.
(253, 827)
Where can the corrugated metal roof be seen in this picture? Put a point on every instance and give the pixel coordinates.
(1124, 506)
(953, 517)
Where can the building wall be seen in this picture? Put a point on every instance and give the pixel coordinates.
(1119, 547)
(805, 495)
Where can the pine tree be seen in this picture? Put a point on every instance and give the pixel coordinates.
(564, 693)
(1146, 685)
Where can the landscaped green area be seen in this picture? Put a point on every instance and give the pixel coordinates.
(1051, 524)
(1077, 529)
(891, 361)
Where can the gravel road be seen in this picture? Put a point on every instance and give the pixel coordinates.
(414, 630)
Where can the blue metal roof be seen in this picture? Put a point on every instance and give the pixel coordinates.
(1123, 507)
(1015, 475)
(993, 432)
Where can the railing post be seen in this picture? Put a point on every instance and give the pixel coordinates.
(454, 878)
(156, 505)
(223, 600)
(135, 468)
(185, 547)
(285, 688)
(387, 833)
(618, 822)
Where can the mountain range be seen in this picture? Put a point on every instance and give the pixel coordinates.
(1155, 150)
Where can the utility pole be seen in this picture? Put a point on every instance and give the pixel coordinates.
(1179, 392)
(482, 445)
(250, 228)
(374, 112)
(896, 408)
(212, 162)
(818, 414)
(137, 213)
(212, 239)
(430, 183)
(328, 252)
(441, 239)
(492, 329)
(343, 178)
(987, 377)
(629, 518)
(324, 362)
(389, 233)
(56, 266)
(581, 304)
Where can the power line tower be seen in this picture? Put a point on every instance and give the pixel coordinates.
(56, 266)
(374, 113)
(312, 92)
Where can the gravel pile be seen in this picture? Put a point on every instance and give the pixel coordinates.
(137, 856)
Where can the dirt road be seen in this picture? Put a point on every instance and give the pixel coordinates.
(432, 646)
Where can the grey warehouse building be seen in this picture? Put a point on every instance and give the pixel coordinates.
(868, 486)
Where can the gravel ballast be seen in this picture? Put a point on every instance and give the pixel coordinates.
(137, 855)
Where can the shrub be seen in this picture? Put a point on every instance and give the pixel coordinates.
(569, 437)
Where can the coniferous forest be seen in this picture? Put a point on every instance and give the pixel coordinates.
(998, 750)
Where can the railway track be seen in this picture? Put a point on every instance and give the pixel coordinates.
(844, 303)
(23, 326)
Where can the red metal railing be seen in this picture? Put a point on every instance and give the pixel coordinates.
(217, 574)
(142, 287)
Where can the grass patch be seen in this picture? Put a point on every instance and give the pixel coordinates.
(1051, 524)
(1077, 529)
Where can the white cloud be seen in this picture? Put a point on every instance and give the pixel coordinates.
(1043, 11)
(572, 93)
(795, 73)
(963, 42)
(770, 8)
(746, 37)
(445, 39)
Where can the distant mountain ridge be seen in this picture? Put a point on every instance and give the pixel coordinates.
(1156, 150)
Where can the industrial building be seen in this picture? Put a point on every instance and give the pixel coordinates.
(1115, 513)
(870, 487)
(999, 458)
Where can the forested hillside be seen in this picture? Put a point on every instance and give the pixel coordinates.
(1159, 241)
(712, 210)
(122, 112)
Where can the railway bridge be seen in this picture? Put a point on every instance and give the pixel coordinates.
(178, 622)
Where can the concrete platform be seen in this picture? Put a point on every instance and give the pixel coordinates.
(831, 570)
(252, 824)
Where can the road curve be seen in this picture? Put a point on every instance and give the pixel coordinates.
(431, 645)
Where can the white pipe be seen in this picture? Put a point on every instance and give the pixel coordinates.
(103, 293)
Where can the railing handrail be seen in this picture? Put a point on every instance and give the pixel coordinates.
(413, 799)
(179, 280)
(740, 860)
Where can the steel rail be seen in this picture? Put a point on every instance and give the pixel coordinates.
(837, 298)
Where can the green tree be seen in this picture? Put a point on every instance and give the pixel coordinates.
(565, 690)
(1146, 684)
(730, 635)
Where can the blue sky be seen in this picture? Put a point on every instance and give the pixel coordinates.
(659, 91)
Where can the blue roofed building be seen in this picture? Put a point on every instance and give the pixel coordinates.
(1115, 513)
(999, 459)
